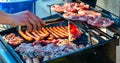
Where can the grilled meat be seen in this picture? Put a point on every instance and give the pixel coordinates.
(36, 51)
(12, 39)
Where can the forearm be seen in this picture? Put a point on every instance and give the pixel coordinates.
(5, 18)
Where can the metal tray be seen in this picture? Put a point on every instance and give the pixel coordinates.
(82, 40)
(114, 28)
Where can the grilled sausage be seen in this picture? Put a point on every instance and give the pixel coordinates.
(36, 31)
(64, 28)
(62, 31)
(25, 36)
(35, 34)
(42, 35)
(40, 31)
(52, 33)
(37, 37)
(51, 37)
(59, 33)
(66, 33)
(59, 36)
(29, 34)
(45, 31)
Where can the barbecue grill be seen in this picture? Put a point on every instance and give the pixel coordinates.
(89, 34)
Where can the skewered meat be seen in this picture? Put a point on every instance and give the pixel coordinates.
(12, 39)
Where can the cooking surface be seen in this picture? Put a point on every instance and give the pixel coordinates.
(96, 39)
(93, 36)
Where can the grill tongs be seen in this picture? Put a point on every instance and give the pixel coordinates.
(47, 22)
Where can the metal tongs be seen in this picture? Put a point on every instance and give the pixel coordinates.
(47, 22)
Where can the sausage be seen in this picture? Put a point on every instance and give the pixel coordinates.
(36, 31)
(59, 36)
(63, 28)
(40, 31)
(52, 33)
(35, 34)
(29, 34)
(66, 33)
(62, 31)
(41, 35)
(45, 31)
(46, 34)
(66, 27)
(37, 37)
(59, 33)
(51, 37)
(34, 37)
(36, 60)
(25, 36)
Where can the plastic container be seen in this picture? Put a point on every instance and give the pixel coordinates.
(13, 6)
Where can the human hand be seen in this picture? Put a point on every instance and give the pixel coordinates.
(26, 18)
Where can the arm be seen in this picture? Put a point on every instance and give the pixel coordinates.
(24, 18)
(5, 18)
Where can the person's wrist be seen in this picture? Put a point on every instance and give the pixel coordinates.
(11, 21)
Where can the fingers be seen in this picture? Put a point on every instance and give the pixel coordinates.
(36, 19)
(41, 22)
(33, 23)
(29, 26)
